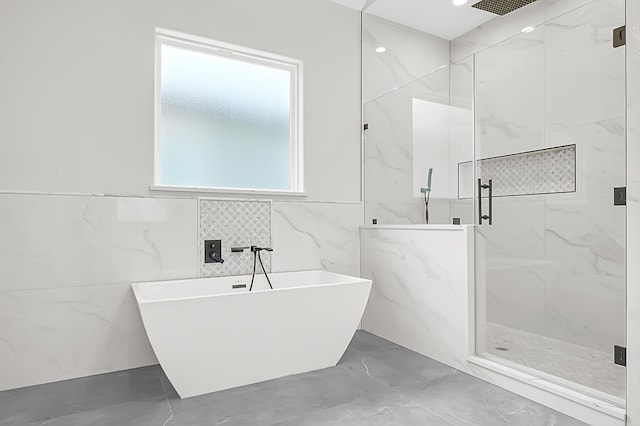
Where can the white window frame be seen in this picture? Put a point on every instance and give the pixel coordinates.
(222, 49)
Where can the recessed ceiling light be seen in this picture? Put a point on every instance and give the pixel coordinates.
(459, 2)
(381, 49)
(527, 29)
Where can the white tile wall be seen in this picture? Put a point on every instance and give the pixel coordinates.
(316, 236)
(55, 334)
(509, 98)
(57, 241)
(512, 263)
(584, 75)
(398, 147)
(419, 297)
(405, 59)
(422, 298)
(500, 29)
(633, 279)
(497, 30)
(633, 210)
(66, 306)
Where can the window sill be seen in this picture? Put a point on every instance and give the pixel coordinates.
(227, 191)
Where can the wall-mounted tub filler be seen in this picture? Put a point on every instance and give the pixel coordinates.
(256, 257)
(204, 334)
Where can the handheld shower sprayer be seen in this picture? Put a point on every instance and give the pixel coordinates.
(427, 195)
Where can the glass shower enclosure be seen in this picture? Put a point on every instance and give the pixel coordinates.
(526, 140)
(550, 146)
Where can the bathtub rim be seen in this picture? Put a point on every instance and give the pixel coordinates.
(139, 287)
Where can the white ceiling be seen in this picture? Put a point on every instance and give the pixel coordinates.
(437, 17)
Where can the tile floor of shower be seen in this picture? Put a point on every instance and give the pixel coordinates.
(579, 364)
(375, 383)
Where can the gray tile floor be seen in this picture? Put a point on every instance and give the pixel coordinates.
(375, 383)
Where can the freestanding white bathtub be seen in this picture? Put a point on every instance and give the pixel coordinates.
(210, 336)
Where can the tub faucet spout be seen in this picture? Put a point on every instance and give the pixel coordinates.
(239, 249)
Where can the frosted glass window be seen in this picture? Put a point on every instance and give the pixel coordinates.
(227, 118)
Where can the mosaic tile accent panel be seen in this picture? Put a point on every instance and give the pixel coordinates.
(236, 223)
(546, 171)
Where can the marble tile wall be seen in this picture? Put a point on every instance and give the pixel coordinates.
(419, 116)
(509, 107)
(66, 306)
(582, 234)
(419, 297)
(309, 235)
(54, 334)
(66, 241)
(579, 55)
(237, 223)
(409, 55)
(633, 210)
(500, 29)
(402, 142)
(422, 298)
(513, 263)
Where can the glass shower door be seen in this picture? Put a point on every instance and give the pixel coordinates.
(550, 252)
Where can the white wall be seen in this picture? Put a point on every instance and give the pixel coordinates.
(76, 118)
(633, 212)
(77, 87)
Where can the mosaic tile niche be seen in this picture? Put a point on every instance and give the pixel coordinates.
(236, 223)
(546, 171)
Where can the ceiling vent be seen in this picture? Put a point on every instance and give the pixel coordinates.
(501, 7)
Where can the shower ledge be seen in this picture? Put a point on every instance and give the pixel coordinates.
(421, 227)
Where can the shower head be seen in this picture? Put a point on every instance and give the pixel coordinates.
(501, 7)
(428, 188)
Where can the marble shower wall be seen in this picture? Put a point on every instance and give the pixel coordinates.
(461, 134)
(633, 211)
(419, 116)
(408, 133)
(409, 56)
(555, 263)
(66, 305)
(498, 30)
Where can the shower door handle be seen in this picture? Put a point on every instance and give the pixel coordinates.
(482, 216)
(480, 201)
